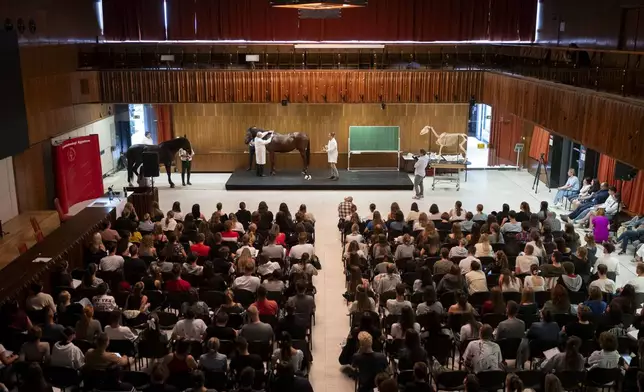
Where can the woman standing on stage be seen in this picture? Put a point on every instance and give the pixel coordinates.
(332, 153)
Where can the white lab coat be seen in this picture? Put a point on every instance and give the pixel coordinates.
(260, 149)
(148, 141)
(332, 151)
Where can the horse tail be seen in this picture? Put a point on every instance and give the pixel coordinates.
(308, 152)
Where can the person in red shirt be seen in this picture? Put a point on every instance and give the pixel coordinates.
(266, 307)
(200, 249)
(177, 284)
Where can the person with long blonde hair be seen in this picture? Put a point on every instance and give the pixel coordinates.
(158, 234)
(147, 249)
(87, 328)
(483, 247)
(421, 222)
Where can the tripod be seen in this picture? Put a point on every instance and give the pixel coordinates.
(540, 167)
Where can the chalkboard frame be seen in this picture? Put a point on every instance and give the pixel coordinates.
(358, 152)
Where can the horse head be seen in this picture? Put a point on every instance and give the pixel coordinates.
(250, 134)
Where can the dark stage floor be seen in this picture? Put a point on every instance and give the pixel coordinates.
(294, 180)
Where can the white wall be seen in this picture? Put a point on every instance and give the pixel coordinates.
(9, 201)
(105, 129)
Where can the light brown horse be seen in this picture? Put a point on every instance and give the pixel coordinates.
(284, 143)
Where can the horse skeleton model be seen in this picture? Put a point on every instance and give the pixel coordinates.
(166, 150)
(447, 139)
(284, 143)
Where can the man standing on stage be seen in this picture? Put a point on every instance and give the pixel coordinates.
(186, 164)
(251, 154)
(260, 152)
(332, 154)
(420, 170)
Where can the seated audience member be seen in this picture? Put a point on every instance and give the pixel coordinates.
(363, 303)
(528, 306)
(451, 282)
(219, 328)
(247, 245)
(426, 279)
(287, 380)
(108, 234)
(483, 247)
(114, 380)
(213, 360)
(230, 306)
(582, 327)
(495, 304)
(158, 377)
(552, 221)
(407, 321)
(470, 328)
(638, 282)
(38, 300)
(265, 306)
(99, 358)
(480, 215)
(247, 281)
(525, 260)
(476, 279)
(103, 302)
(367, 362)
(115, 331)
(595, 301)
(304, 266)
(256, 330)
(444, 265)
(134, 268)
(293, 324)
(461, 305)
(569, 360)
(570, 280)
(274, 282)
(602, 282)
(179, 362)
(33, 350)
(421, 377)
(87, 328)
(113, 261)
(483, 354)
(546, 330)
(555, 269)
(406, 249)
(222, 262)
(272, 250)
(537, 244)
(50, 330)
(89, 277)
(302, 302)
(460, 250)
(511, 226)
(412, 351)
(608, 357)
(608, 258)
(466, 264)
(177, 284)
(512, 327)
(626, 300)
(189, 328)
(243, 359)
(190, 267)
(65, 353)
(559, 301)
(534, 280)
(509, 282)
(387, 281)
(286, 354)
(302, 247)
(431, 304)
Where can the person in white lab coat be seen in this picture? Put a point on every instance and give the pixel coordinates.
(420, 168)
(332, 155)
(186, 164)
(260, 151)
(147, 139)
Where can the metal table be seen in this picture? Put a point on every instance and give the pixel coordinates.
(448, 172)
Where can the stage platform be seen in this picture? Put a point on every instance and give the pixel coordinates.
(242, 180)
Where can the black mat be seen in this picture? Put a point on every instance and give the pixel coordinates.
(294, 180)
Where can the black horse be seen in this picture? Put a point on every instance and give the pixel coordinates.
(166, 150)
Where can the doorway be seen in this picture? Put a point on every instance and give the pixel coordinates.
(477, 144)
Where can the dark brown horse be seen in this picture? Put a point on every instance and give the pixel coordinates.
(166, 150)
(284, 143)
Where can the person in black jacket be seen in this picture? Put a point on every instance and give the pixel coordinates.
(598, 198)
(243, 215)
(421, 376)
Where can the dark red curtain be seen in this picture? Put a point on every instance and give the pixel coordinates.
(181, 19)
(539, 144)
(164, 122)
(632, 192)
(606, 169)
(133, 20)
(512, 20)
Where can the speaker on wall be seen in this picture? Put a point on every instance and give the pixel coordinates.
(624, 172)
(150, 164)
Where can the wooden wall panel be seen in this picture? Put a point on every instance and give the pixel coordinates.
(603, 122)
(217, 131)
(341, 86)
(30, 177)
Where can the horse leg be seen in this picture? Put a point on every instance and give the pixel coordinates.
(130, 169)
(167, 170)
(303, 155)
(272, 156)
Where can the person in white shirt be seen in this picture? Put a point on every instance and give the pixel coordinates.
(302, 247)
(466, 264)
(260, 151)
(420, 170)
(568, 189)
(190, 328)
(65, 353)
(610, 206)
(111, 262)
(525, 260)
(638, 283)
(115, 331)
(605, 285)
(147, 139)
(247, 281)
(38, 300)
(186, 165)
(610, 261)
(103, 302)
(169, 223)
(331, 150)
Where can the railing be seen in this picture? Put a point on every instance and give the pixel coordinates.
(617, 72)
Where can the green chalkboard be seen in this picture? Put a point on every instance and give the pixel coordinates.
(374, 138)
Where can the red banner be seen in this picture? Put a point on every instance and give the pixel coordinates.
(78, 170)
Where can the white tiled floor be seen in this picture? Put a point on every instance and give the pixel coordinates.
(491, 188)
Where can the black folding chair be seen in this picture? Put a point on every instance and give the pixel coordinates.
(62, 377)
(451, 380)
(509, 347)
(493, 319)
(571, 380)
(491, 380)
(214, 299)
(244, 297)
